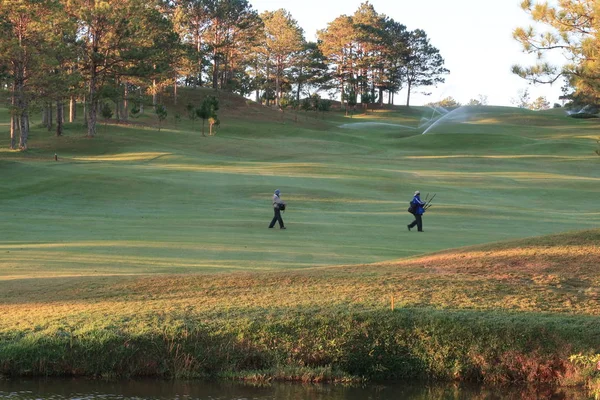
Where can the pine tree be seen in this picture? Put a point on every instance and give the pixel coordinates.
(284, 39)
(310, 71)
(22, 42)
(423, 64)
(127, 38)
(232, 26)
(338, 44)
(574, 30)
(370, 38)
(396, 52)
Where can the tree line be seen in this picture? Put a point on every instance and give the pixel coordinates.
(55, 54)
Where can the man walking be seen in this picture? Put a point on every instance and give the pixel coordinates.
(278, 206)
(419, 209)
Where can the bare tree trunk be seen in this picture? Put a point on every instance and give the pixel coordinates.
(257, 91)
(267, 95)
(198, 49)
(299, 87)
(343, 102)
(175, 90)
(118, 110)
(24, 129)
(72, 109)
(126, 102)
(45, 116)
(117, 101)
(277, 83)
(141, 102)
(21, 104)
(85, 111)
(92, 117)
(215, 72)
(59, 117)
(14, 127)
(14, 121)
(49, 117)
(154, 93)
(93, 109)
(408, 95)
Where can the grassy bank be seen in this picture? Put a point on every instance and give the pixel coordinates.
(504, 312)
(316, 345)
(141, 252)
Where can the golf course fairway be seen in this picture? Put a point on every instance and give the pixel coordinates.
(142, 252)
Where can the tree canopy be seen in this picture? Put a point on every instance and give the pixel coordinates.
(110, 53)
(572, 28)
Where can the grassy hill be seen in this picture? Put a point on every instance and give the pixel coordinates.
(152, 247)
(135, 200)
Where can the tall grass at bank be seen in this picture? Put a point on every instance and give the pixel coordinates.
(316, 345)
(504, 312)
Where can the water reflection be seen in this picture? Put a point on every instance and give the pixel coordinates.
(80, 389)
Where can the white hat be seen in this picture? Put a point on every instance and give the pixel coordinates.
(417, 192)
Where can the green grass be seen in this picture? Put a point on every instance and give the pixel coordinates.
(153, 238)
(192, 204)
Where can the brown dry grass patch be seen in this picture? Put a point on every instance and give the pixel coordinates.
(551, 274)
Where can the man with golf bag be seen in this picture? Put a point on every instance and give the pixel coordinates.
(417, 208)
(278, 207)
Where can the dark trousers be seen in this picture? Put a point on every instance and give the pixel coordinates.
(276, 217)
(418, 222)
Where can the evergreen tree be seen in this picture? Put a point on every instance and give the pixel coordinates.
(423, 64)
(161, 114)
(370, 43)
(396, 53)
(23, 41)
(106, 112)
(192, 20)
(126, 38)
(232, 26)
(540, 104)
(310, 71)
(207, 110)
(574, 31)
(338, 44)
(284, 39)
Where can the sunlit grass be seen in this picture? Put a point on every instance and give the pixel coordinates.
(138, 156)
(141, 235)
(517, 176)
(564, 279)
(175, 201)
(507, 157)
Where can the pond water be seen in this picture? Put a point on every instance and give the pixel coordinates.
(81, 389)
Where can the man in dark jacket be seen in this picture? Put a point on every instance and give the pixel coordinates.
(419, 209)
(278, 205)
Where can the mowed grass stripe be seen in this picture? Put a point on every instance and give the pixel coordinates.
(347, 188)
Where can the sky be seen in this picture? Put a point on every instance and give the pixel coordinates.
(473, 36)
